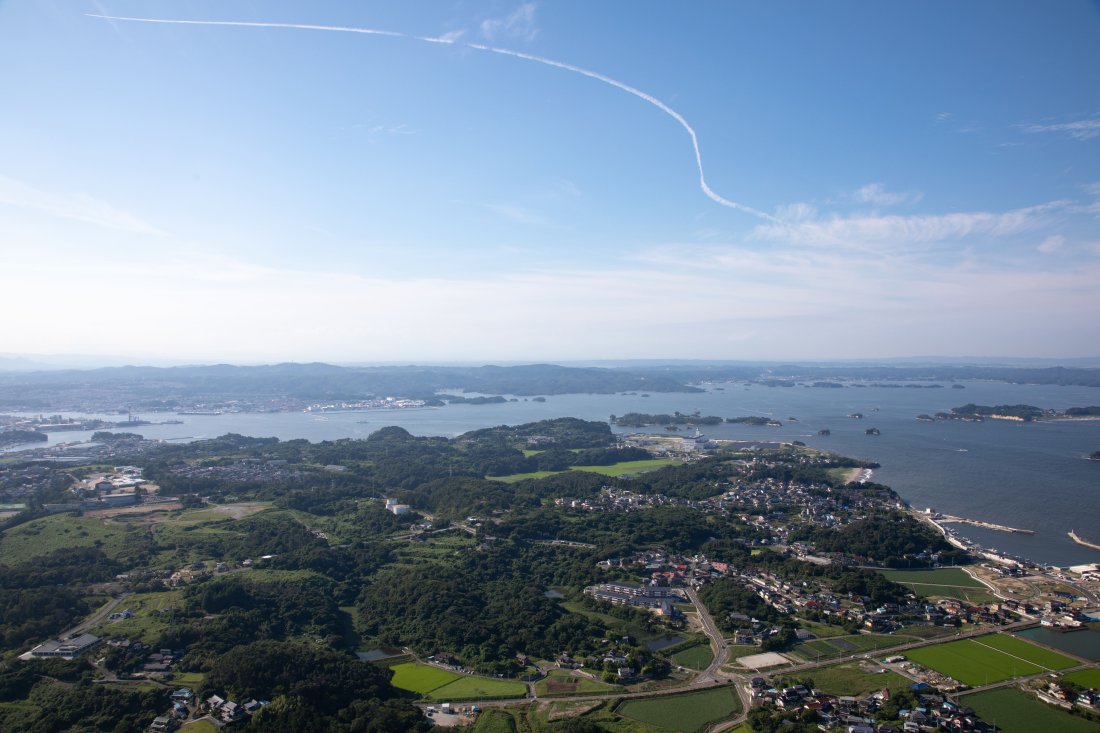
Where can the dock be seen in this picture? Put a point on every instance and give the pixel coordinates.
(1085, 543)
(985, 525)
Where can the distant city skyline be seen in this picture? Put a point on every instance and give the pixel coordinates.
(505, 181)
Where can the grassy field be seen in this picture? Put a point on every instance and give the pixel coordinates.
(146, 624)
(1085, 678)
(615, 469)
(188, 679)
(564, 682)
(852, 679)
(199, 726)
(988, 659)
(842, 646)
(935, 576)
(687, 713)
(946, 582)
(420, 678)
(694, 657)
(495, 721)
(42, 536)
(469, 687)
(1017, 712)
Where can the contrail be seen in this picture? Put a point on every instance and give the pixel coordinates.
(504, 52)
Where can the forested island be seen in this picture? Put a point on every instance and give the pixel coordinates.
(16, 437)
(641, 420)
(1021, 413)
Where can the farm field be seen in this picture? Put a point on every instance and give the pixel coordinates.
(694, 657)
(615, 469)
(842, 646)
(950, 582)
(420, 678)
(852, 679)
(988, 659)
(1017, 712)
(564, 682)
(686, 713)
(469, 687)
(1085, 678)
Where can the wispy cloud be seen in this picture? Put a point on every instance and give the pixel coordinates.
(891, 231)
(74, 206)
(1085, 129)
(518, 214)
(517, 25)
(877, 195)
(1052, 244)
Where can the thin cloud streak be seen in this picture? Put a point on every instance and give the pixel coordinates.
(74, 206)
(1078, 130)
(903, 230)
(448, 40)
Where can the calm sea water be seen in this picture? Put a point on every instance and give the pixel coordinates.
(1033, 476)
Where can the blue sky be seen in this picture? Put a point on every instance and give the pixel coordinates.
(888, 179)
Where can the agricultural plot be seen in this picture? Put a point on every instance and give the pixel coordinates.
(1017, 712)
(469, 687)
(685, 713)
(1085, 677)
(855, 679)
(988, 659)
(842, 646)
(420, 678)
(943, 582)
(615, 469)
(694, 657)
(564, 682)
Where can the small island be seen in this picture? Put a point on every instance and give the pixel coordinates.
(16, 437)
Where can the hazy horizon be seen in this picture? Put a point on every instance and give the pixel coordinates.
(525, 181)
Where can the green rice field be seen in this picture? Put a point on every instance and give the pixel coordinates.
(1015, 711)
(615, 469)
(1085, 678)
(988, 659)
(686, 713)
(420, 678)
(469, 687)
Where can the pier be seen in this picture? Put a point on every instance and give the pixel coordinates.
(1085, 543)
(979, 523)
